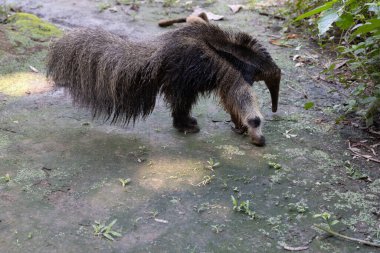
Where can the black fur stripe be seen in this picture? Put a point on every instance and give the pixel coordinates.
(248, 71)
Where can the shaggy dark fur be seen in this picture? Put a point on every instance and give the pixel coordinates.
(121, 79)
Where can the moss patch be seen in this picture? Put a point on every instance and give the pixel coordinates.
(34, 26)
(24, 41)
(23, 83)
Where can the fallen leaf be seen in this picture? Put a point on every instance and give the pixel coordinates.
(34, 69)
(161, 221)
(113, 9)
(235, 7)
(288, 135)
(280, 42)
(296, 57)
(210, 15)
(308, 105)
(293, 36)
(340, 64)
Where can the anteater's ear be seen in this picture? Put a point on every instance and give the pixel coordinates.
(273, 84)
(203, 16)
(200, 19)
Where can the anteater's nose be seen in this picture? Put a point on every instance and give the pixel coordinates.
(259, 141)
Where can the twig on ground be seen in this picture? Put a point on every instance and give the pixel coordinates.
(271, 15)
(368, 157)
(373, 132)
(286, 247)
(300, 92)
(331, 232)
(8, 130)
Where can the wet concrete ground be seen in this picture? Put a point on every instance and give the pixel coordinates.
(65, 168)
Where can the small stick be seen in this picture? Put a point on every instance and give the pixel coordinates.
(169, 22)
(300, 92)
(373, 131)
(289, 248)
(271, 15)
(8, 130)
(327, 230)
(364, 156)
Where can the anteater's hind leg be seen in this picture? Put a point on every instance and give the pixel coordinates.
(181, 109)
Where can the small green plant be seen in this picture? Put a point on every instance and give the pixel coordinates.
(211, 164)
(100, 229)
(153, 214)
(352, 29)
(328, 228)
(353, 172)
(125, 2)
(136, 221)
(202, 207)
(326, 217)
(218, 228)
(251, 4)
(103, 6)
(243, 207)
(170, 3)
(206, 180)
(6, 178)
(125, 181)
(274, 165)
(299, 207)
(209, 2)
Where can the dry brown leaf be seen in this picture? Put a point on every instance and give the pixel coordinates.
(280, 42)
(293, 36)
(210, 15)
(236, 7)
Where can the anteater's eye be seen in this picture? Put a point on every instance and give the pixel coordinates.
(254, 122)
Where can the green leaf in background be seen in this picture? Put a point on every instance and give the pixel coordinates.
(308, 105)
(326, 20)
(345, 21)
(317, 10)
(374, 7)
(373, 25)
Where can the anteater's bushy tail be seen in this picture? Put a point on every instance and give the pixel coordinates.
(109, 75)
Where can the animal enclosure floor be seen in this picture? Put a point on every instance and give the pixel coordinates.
(65, 168)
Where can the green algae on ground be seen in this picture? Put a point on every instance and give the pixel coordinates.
(24, 41)
(22, 83)
(229, 150)
(34, 26)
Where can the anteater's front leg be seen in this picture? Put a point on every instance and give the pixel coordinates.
(239, 128)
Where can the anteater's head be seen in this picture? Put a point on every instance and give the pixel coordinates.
(246, 114)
